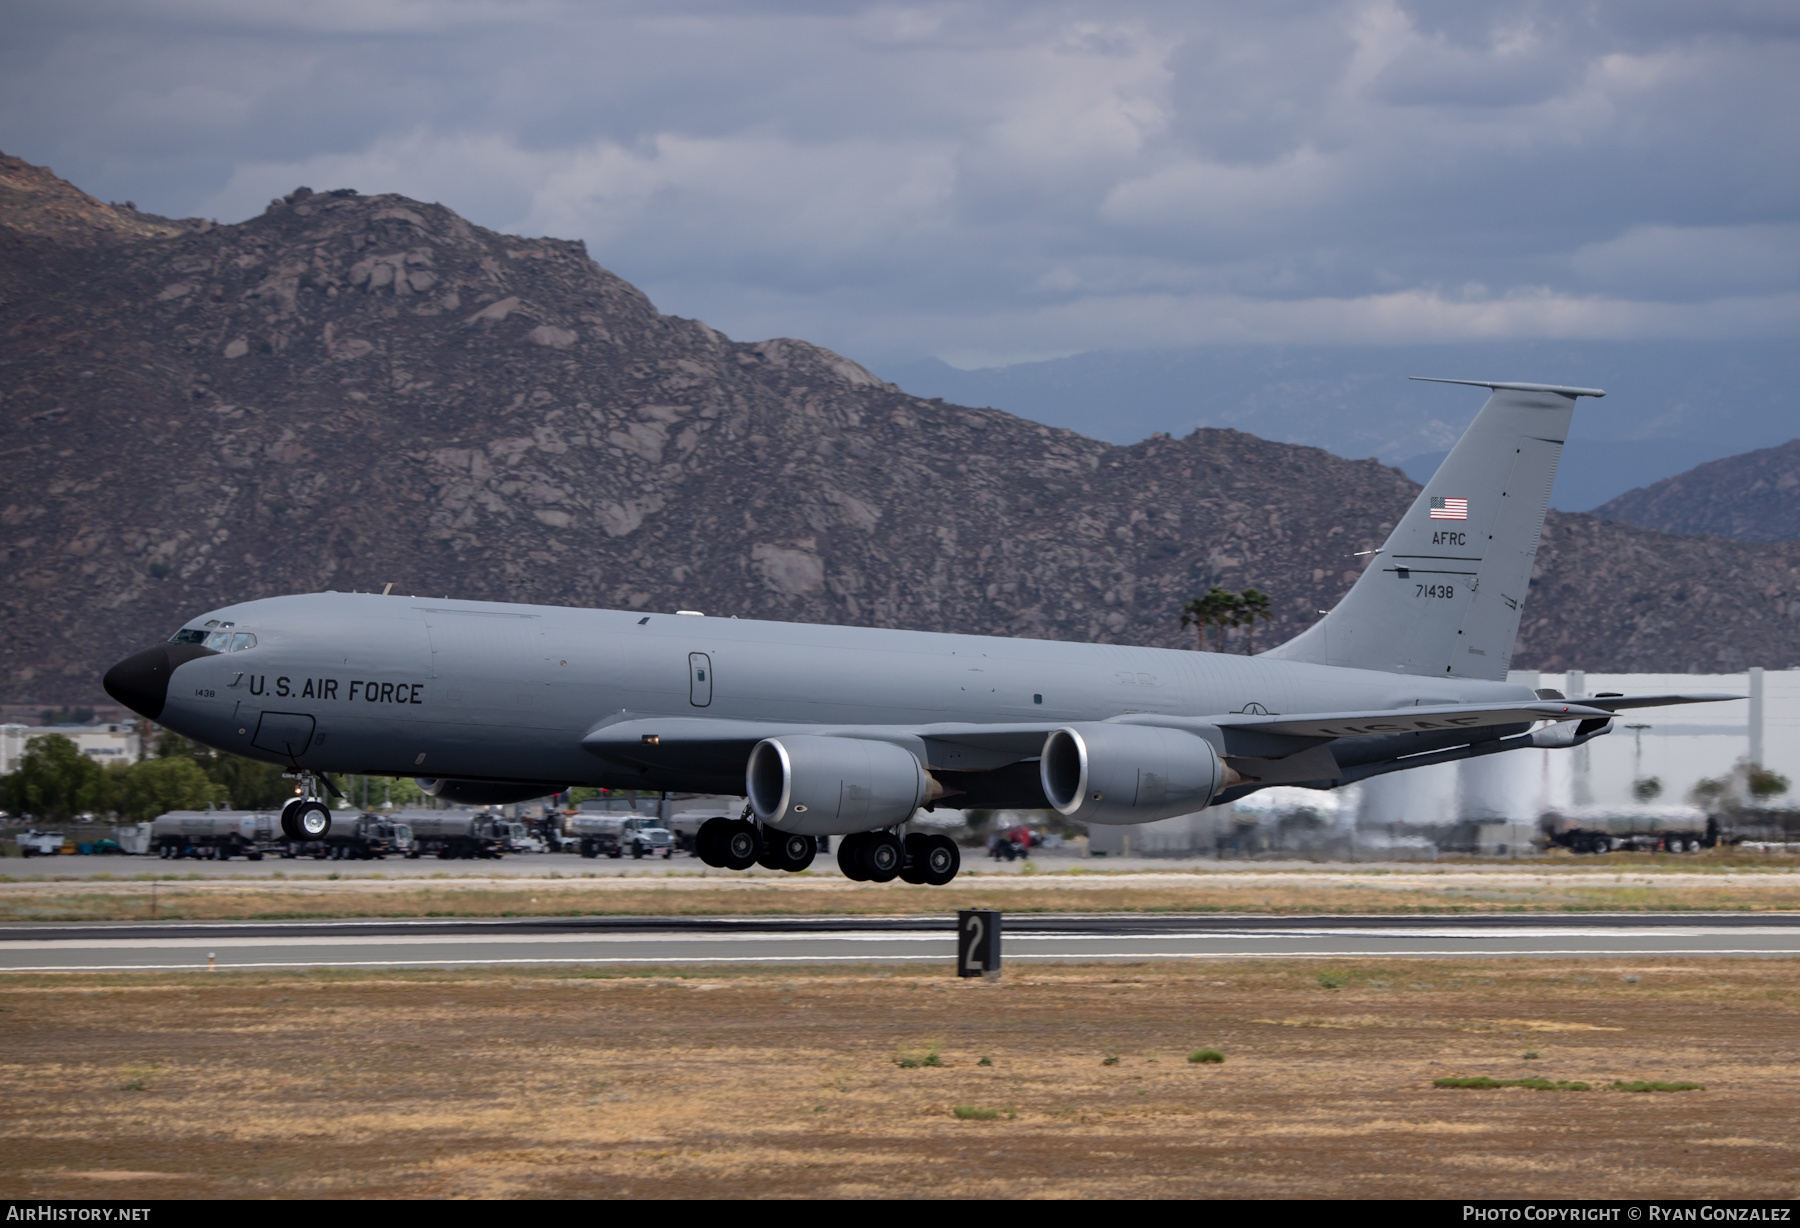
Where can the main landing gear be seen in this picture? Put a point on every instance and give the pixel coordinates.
(882, 856)
(307, 817)
(864, 857)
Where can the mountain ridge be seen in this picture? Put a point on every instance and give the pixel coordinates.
(349, 390)
(1754, 496)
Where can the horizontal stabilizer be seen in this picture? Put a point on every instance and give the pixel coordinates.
(1497, 386)
(1618, 703)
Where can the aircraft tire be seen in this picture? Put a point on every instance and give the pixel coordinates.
(312, 820)
(792, 853)
(288, 828)
(941, 861)
(709, 842)
(849, 856)
(740, 846)
(882, 855)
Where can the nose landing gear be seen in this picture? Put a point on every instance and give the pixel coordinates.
(307, 817)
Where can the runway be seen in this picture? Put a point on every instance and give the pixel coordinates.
(616, 942)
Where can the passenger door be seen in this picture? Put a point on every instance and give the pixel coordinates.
(700, 685)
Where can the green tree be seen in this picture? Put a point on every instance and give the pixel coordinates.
(1710, 792)
(251, 785)
(1253, 604)
(375, 792)
(1217, 608)
(154, 786)
(1647, 789)
(1764, 783)
(53, 780)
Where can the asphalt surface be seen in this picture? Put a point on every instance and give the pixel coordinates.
(109, 946)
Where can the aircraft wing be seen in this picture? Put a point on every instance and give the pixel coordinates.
(722, 744)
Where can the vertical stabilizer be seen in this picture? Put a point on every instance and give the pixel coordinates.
(1442, 597)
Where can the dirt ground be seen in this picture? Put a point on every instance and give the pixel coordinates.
(824, 1083)
(1590, 886)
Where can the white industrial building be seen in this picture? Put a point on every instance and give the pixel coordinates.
(1495, 802)
(103, 744)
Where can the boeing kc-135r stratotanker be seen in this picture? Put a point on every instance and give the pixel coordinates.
(849, 731)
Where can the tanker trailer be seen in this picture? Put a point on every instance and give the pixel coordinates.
(455, 834)
(1644, 829)
(215, 835)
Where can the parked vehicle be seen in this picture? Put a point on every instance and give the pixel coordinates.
(39, 843)
(215, 835)
(1644, 829)
(1012, 842)
(456, 834)
(367, 837)
(134, 838)
(614, 835)
(648, 838)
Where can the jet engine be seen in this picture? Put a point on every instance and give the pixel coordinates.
(1102, 773)
(821, 786)
(485, 792)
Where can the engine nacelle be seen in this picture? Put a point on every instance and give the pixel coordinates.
(484, 792)
(1102, 773)
(824, 786)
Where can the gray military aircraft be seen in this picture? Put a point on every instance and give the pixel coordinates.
(849, 731)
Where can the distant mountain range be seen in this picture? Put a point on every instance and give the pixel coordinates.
(1670, 405)
(1753, 498)
(350, 391)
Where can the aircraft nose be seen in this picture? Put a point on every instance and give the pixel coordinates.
(141, 681)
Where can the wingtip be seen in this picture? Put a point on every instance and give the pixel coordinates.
(1499, 385)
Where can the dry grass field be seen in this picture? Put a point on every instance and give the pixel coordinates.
(1591, 885)
(1059, 1081)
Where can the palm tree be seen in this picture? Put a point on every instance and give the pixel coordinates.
(1252, 605)
(1218, 607)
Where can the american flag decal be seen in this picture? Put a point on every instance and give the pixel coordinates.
(1449, 509)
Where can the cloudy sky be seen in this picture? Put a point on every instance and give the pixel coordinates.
(994, 182)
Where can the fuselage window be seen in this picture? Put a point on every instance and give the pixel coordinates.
(242, 640)
(195, 636)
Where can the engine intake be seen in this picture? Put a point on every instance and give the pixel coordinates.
(822, 786)
(1102, 773)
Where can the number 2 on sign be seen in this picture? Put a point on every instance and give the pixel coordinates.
(977, 928)
(1436, 590)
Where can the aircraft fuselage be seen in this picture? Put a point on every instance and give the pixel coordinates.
(361, 683)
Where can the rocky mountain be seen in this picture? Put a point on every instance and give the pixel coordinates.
(1754, 497)
(349, 391)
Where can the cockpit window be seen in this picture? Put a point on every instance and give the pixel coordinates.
(219, 641)
(196, 635)
(242, 640)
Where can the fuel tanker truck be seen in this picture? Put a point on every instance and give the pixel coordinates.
(457, 834)
(366, 837)
(215, 835)
(1644, 829)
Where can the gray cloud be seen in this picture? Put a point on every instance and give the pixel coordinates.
(994, 181)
